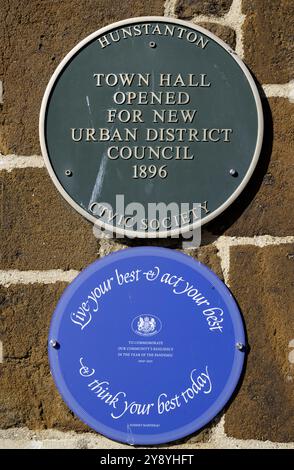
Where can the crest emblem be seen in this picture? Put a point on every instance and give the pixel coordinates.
(146, 325)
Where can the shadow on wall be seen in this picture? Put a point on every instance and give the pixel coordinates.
(218, 226)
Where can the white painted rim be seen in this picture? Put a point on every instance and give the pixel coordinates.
(166, 233)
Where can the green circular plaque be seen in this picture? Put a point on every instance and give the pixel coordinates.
(151, 127)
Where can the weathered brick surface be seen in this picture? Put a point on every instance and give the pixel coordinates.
(39, 229)
(262, 281)
(227, 34)
(34, 37)
(265, 207)
(28, 396)
(186, 9)
(268, 39)
(207, 255)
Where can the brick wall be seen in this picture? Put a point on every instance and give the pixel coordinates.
(44, 243)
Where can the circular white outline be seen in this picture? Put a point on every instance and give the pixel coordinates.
(166, 233)
(199, 269)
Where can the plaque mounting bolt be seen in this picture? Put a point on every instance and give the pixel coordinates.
(68, 173)
(152, 44)
(233, 172)
(240, 346)
(54, 343)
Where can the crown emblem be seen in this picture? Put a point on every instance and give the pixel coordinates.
(146, 325)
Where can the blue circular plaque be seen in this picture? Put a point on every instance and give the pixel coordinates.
(146, 345)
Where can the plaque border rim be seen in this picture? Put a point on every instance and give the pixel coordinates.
(164, 233)
(218, 405)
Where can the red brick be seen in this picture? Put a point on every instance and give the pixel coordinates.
(265, 206)
(39, 228)
(28, 395)
(186, 9)
(262, 281)
(268, 39)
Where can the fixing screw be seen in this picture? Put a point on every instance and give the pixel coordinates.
(240, 346)
(233, 172)
(68, 173)
(152, 44)
(54, 343)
